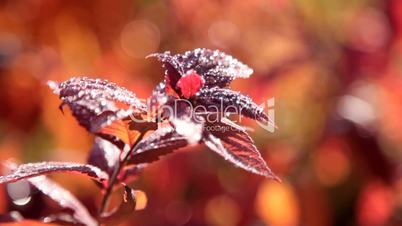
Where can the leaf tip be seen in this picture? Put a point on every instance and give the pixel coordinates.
(151, 55)
(274, 177)
(54, 86)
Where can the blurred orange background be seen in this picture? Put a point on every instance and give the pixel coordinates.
(333, 66)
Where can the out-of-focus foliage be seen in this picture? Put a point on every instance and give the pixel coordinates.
(334, 68)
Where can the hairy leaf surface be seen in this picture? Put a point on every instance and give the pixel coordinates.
(216, 67)
(237, 147)
(161, 142)
(64, 198)
(104, 155)
(228, 101)
(35, 169)
(100, 107)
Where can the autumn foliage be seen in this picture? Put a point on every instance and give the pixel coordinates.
(130, 134)
(328, 74)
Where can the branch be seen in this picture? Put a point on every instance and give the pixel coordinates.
(114, 176)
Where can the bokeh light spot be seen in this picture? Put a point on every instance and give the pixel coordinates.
(332, 164)
(375, 205)
(223, 33)
(141, 200)
(276, 204)
(178, 212)
(140, 38)
(222, 211)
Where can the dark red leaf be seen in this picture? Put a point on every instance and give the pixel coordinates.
(55, 192)
(158, 96)
(104, 155)
(237, 147)
(35, 169)
(173, 69)
(216, 67)
(98, 104)
(130, 173)
(228, 101)
(64, 198)
(161, 142)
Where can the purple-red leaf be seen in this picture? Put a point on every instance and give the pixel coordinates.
(104, 155)
(96, 102)
(130, 173)
(58, 194)
(35, 169)
(158, 96)
(161, 142)
(100, 106)
(64, 198)
(237, 147)
(228, 101)
(216, 67)
(173, 69)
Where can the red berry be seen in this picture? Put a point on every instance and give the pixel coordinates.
(190, 83)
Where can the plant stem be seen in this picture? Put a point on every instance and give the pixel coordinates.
(113, 178)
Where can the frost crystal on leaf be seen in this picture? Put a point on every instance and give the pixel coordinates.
(237, 147)
(188, 128)
(35, 169)
(217, 68)
(128, 138)
(211, 94)
(64, 198)
(101, 107)
(97, 103)
(104, 155)
(161, 142)
(232, 102)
